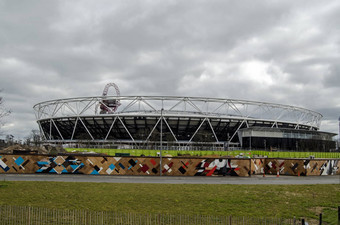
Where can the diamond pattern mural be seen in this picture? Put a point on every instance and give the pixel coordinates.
(171, 166)
(80, 164)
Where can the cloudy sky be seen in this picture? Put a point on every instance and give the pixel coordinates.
(284, 52)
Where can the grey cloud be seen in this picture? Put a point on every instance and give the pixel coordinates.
(59, 49)
(24, 23)
(333, 78)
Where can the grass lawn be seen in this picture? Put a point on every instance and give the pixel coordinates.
(284, 201)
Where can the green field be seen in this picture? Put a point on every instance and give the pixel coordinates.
(135, 152)
(284, 201)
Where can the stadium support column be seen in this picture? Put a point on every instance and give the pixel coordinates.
(228, 141)
(251, 132)
(161, 143)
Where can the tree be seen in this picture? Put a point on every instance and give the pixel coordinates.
(9, 139)
(34, 138)
(3, 111)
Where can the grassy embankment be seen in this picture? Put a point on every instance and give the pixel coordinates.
(285, 201)
(269, 154)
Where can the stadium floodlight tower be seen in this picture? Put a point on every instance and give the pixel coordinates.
(109, 106)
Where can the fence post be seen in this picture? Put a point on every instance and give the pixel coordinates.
(320, 219)
(85, 217)
(338, 214)
(29, 215)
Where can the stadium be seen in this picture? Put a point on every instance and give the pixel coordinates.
(180, 123)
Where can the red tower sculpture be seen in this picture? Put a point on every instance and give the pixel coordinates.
(109, 105)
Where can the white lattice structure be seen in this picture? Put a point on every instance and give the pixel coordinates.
(185, 120)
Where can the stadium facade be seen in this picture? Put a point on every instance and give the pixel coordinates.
(147, 122)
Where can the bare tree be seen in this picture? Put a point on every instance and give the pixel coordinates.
(3, 111)
(34, 138)
(9, 139)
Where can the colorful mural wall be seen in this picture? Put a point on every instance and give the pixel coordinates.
(322, 167)
(257, 166)
(123, 165)
(296, 167)
(171, 166)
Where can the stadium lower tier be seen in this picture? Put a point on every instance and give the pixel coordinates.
(186, 132)
(286, 139)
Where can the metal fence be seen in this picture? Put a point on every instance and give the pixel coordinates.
(41, 216)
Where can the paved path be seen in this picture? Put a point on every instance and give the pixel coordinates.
(173, 180)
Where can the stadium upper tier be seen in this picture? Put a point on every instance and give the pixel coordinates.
(183, 119)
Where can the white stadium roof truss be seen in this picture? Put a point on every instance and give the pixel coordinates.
(204, 110)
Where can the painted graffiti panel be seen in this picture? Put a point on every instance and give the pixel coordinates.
(109, 165)
(322, 167)
(171, 166)
(257, 166)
